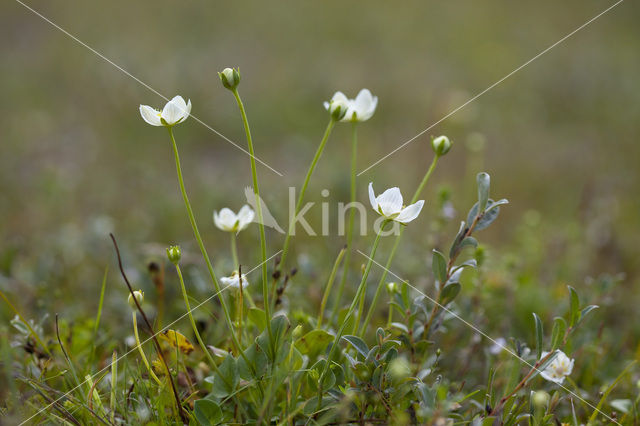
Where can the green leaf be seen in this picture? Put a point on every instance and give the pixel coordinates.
(313, 342)
(486, 218)
(227, 378)
(449, 292)
(557, 335)
(257, 363)
(357, 343)
(585, 312)
(439, 266)
(471, 263)
(538, 335)
(574, 307)
(484, 182)
(207, 412)
(455, 247)
(494, 204)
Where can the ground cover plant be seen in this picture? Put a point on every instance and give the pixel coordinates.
(391, 347)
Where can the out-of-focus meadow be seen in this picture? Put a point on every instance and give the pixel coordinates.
(559, 138)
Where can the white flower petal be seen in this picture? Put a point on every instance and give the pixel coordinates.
(225, 219)
(390, 201)
(150, 115)
(245, 217)
(372, 197)
(409, 213)
(187, 111)
(175, 110)
(362, 105)
(339, 96)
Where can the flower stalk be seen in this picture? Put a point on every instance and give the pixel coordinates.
(352, 215)
(256, 191)
(361, 289)
(396, 244)
(203, 250)
(314, 162)
(141, 351)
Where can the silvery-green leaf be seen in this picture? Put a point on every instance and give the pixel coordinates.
(484, 182)
(439, 266)
(538, 324)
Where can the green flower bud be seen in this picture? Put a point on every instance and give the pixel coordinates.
(338, 109)
(441, 145)
(174, 254)
(540, 399)
(139, 294)
(230, 78)
(392, 288)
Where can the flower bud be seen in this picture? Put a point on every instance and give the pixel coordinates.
(540, 399)
(297, 332)
(139, 294)
(337, 109)
(441, 145)
(174, 254)
(230, 78)
(392, 288)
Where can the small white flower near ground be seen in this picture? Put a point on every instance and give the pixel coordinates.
(359, 109)
(558, 369)
(389, 204)
(174, 112)
(228, 221)
(234, 280)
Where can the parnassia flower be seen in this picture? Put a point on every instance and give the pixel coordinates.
(228, 221)
(389, 204)
(234, 280)
(558, 369)
(174, 112)
(359, 109)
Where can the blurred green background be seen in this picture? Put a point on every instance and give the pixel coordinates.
(559, 139)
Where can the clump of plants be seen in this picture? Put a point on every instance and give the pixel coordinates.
(369, 353)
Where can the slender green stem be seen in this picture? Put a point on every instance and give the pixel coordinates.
(236, 265)
(316, 157)
(389, 316)
(352, 215)
(203, 250)
(361, 288)
(240, 306)
(114, 384)
(139, 347)
(193, 322)
(234, 250)
(327, 289)
(396, 243)
(263, 241)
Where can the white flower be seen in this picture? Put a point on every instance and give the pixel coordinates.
(359, 109)
(174, 112)
(234, 280)
(498, 345)
(228, 221)
(389, 205)
(558, 369)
